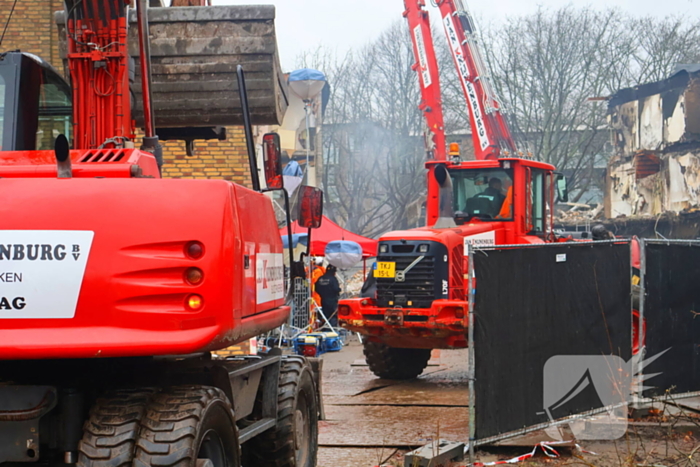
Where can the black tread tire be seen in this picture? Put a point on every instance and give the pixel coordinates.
(176, 421)
(111, 431)
(277, 446)
(394, 363)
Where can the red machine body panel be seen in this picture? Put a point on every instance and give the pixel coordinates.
(133, 297)
(85, 163)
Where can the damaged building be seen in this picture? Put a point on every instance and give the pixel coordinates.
(656, 134)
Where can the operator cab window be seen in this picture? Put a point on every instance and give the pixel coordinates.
(484, 194)
(536, 201)
(2, 107)
(55, 111)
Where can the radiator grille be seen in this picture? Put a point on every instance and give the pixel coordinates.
(418, 288)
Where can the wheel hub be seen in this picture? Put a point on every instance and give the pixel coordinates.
(301, 436)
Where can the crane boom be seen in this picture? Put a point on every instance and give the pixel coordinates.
(427, 68)
(490, 132)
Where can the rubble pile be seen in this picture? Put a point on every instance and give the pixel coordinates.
(579, 212)
(353, 284)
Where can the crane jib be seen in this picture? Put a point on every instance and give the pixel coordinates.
(467, 85)
(422, 57)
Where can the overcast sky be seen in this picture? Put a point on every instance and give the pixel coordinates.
(344, 24)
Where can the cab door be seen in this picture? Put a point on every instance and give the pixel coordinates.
(538, 209)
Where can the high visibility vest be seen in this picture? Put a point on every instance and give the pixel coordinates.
(507, 206)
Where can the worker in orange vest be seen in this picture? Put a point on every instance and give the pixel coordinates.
(317, 270)
(506, 211)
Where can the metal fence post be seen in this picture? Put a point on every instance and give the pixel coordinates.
(471, 361)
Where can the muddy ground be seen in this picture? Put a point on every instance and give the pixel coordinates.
(370, 421)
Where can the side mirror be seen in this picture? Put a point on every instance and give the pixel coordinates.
(562, 188)
(272, 161)
(310, 207)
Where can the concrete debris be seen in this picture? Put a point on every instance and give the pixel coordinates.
(353, 285)
(657, 143)
(578, 213)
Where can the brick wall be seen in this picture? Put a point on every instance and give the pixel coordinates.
(32, 29)
(226, 160)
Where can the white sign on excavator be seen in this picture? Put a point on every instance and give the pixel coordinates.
(480, 239)
(42, 272)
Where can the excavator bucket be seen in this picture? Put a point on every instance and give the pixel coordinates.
(194, 54)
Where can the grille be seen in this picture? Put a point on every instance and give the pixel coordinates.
(103, 155)
(418, 288)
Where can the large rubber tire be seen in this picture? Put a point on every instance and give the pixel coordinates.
(110, 434)
(294, 441)
(188, 426)
(394, 363)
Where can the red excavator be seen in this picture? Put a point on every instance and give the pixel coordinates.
(501, 198)
(117, 285)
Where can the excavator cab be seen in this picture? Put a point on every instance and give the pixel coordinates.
(35, 103)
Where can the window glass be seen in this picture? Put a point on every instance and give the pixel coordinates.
(2, 108)
(537, 200)
(483, 193)
(55, 112)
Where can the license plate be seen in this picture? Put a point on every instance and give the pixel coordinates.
(385, 270)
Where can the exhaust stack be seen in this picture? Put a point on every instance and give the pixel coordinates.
(62, 151)
(446, 198)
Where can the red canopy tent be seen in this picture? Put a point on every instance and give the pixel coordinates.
(329, 232)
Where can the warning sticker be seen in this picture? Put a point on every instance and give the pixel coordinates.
(269, 277)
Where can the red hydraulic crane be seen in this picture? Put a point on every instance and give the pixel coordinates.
(498, 199)
(490, 132)
(428, 74)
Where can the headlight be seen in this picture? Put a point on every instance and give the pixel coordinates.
(423, 248)
(383, 248)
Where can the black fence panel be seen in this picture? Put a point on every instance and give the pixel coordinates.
(534, 303)
(672, 315)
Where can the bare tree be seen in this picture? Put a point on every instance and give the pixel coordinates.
(662, 44)
(554, 68)
(373, 149)
(547, 66)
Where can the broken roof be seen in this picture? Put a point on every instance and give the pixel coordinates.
(678, 80)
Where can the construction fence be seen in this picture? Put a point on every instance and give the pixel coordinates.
(552, 331)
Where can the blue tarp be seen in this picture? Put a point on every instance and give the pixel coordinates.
(296, 239)
(343, 253)
(344, 246)
(306, 74)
